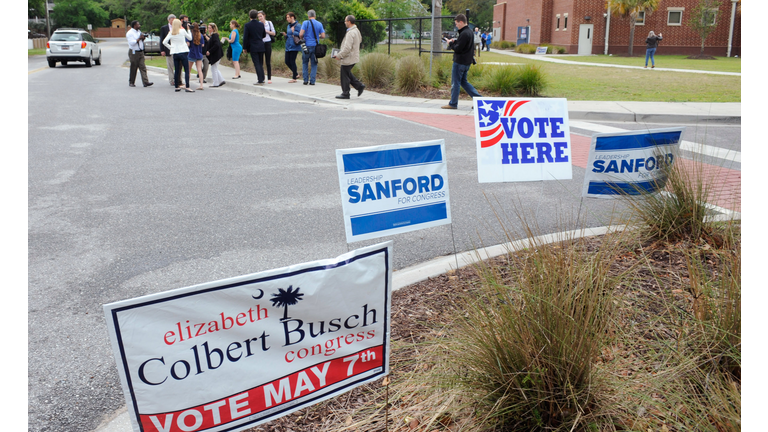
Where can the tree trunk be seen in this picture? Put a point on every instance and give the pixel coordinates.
(702, 47)
(437, 30)
(631, 34)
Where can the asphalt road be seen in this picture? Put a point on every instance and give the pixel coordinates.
(133, 191)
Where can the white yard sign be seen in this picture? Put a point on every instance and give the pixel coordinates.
(522, 139)
(228, 355)
(630, 163)
(393, 189)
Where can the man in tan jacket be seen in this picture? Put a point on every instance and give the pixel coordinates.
(348, 56)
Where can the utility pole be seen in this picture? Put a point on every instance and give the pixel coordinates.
(47, 20)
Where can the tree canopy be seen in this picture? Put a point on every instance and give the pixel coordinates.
(79, 13)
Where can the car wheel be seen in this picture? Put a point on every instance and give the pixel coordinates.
(52, 63)
(98, 60)
(63, 63)
(89, 61)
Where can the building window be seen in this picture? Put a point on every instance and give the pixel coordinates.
(565, 22)
(558, 22)
(710, 17)
(675, 16)
(640, 20)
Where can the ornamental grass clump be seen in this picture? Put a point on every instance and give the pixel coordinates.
(504, 80)
(531, 80)
(524, 345)
(328, 67)
(681, 210)
(410, 74)
(377, 70)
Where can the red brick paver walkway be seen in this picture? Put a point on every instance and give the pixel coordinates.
(725, 183)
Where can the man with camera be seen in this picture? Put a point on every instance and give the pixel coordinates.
(463, 57)
(136, 54)
(164, 51)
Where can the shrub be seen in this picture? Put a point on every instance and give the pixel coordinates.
(377, 70)
(502, 44)
(532, 80)
(442, 66)
(328, 67)
(503, 79)
(524, 347)
(680, 211)
(410, 74)
(526, 48)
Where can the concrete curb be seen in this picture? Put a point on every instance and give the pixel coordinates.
(120, 420)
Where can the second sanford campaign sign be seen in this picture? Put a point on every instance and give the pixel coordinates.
(228, 355)
(393, 189)
(630, 163)
(522, 139)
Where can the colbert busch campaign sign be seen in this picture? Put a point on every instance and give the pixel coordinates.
(522, 139)
(228, 355)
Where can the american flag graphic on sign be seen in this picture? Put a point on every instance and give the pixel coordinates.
(489, 119)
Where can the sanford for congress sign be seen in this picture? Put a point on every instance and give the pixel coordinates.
(228, 355)
(522, 139)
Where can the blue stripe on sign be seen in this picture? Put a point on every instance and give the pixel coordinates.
(398, 218)
(629, 188)
(356, 162)
(630, 142)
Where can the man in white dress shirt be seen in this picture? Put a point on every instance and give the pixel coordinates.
(136, 54)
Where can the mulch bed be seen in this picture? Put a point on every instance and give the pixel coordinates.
(661, 276)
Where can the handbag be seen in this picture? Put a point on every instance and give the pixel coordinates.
(320, 49)
(229, 53)
(296, 39)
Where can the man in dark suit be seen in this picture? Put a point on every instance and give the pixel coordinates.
(164, 51)
(253, 42)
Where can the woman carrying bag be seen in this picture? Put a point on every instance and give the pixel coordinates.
(292, 47)
(269, 29)
(214, 53)
(176, 41)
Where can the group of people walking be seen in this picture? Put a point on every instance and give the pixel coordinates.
(186, 44)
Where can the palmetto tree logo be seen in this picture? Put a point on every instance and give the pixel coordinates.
(285, 298)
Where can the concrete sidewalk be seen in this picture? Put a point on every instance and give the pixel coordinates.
(563, 59)
(644, 112)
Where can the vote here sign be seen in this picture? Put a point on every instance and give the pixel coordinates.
(522, 139)
(231, 354)
(393, 189)
(630, 163)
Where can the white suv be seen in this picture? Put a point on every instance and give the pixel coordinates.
(71, 44)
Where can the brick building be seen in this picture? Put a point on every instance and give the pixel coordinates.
(580, 27)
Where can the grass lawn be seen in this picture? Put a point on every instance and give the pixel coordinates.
(596, 83)
(36, 51)
(722, 64)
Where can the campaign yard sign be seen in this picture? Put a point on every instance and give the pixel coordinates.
(630, 163)
(231, 354)
(392, 189)
(522, 139)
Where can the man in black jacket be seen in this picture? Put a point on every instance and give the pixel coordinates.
(164, 51)
(463, 56)
(253, 42)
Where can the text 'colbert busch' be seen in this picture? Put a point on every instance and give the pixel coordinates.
(231, 354)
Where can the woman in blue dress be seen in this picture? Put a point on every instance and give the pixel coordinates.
(234, 42)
